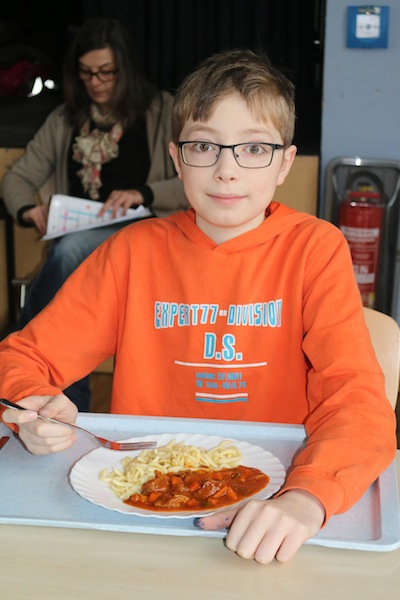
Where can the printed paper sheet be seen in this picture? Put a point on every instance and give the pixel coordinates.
(69, 214)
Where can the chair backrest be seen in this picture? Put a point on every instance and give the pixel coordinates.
(385, 337)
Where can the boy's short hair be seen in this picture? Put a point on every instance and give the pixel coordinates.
(267, 91)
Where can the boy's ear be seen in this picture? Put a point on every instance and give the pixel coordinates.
(174, 152)
(288, 158)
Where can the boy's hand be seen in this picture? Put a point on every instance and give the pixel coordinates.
(41, 437)
(268, 529)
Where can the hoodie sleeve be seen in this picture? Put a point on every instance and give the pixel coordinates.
(66, 341)
(351, 426)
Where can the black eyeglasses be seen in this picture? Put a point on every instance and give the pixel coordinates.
(249, 155)
(102, 75)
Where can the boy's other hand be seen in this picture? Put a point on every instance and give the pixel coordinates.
(268, 529)
(41, 437)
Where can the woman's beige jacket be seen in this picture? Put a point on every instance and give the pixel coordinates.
(47, 153)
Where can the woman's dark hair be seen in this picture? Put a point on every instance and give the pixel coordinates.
(133, 93)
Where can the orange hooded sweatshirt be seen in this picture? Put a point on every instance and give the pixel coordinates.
(265, 327)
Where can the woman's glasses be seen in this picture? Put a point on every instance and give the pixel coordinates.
(102, 75)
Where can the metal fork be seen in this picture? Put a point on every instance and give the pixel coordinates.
(124, 446)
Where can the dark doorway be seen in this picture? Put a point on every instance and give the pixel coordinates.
(172, 36)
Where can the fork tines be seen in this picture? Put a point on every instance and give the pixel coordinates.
(137, 445)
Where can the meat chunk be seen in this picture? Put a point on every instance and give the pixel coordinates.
(168, 501)
(158, 484)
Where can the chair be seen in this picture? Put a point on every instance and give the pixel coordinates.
(385, 337)
(9, 258)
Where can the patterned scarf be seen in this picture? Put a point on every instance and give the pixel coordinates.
(93, 148)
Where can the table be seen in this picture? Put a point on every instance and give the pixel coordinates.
(73, 564)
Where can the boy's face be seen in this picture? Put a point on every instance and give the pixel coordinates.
(229, 199)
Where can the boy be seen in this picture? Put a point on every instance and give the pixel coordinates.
(238, 285)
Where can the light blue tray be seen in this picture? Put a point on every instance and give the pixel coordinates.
(35, 490)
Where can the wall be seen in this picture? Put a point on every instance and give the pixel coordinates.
(361, 92)
(300, 189)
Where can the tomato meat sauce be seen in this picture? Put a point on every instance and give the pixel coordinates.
(200, 489)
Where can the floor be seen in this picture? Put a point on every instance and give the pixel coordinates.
(101, 394)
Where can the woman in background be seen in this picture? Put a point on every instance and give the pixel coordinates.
(108, 142)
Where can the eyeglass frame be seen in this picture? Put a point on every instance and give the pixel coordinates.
(89, 74)
(231, 147)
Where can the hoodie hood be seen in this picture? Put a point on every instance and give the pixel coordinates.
(280, 219)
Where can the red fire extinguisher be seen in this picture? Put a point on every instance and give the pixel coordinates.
(361, 216)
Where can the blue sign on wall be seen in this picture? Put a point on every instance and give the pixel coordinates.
(367, 26)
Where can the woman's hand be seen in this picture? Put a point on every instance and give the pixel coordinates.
(268, 529)
(41, 437)
(37, 216)
(121, 199)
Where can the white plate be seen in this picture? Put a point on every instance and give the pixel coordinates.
(85, 480)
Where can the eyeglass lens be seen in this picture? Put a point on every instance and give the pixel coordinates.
(102, 75)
